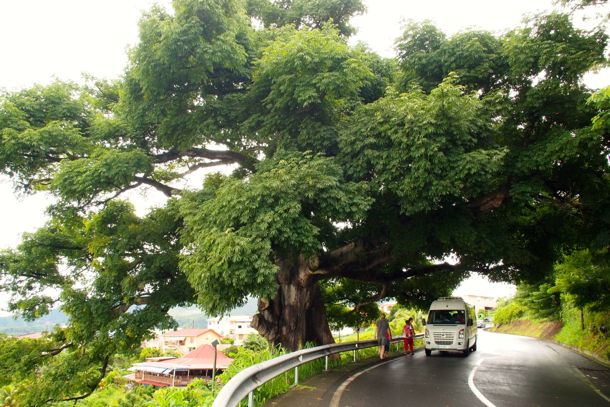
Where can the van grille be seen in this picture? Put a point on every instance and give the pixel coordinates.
(444, 338)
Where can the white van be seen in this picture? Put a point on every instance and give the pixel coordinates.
(451, 326)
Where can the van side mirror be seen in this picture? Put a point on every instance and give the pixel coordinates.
(423, 321)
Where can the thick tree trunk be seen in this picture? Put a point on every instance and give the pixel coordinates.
(296, 315)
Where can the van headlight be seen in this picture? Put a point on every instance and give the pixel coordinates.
(461, 334)
(426, 333)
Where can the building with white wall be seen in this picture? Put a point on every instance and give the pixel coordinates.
(236, 327)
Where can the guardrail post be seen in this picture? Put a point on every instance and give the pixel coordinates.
(243, 384)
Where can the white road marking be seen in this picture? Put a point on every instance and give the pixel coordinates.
(474, 389)
(584, 378)
(339, 392)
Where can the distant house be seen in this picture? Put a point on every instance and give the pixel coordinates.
(197, 364)
(36, 335)
(184, 340)
(236, 327)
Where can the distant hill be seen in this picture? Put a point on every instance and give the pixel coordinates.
(185, 317)
(18, 326)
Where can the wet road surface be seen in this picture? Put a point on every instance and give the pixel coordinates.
(506, 370)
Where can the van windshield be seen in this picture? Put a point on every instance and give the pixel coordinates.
(447, 317)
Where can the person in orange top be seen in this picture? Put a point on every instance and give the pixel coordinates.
(409, 334)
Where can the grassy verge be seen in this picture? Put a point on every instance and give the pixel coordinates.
(589, 340)
(285, 381)
(535, 329)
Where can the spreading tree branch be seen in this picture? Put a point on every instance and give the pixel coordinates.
(221, 157)
(91, 388)
(166, 189)
(380, 295)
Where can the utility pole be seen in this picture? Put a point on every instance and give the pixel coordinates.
(214, 344)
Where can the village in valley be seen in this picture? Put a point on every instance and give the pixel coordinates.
(175, 358)
(208, 201)
(199, 352)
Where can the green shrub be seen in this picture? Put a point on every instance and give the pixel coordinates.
(508, 312)
(255, 343)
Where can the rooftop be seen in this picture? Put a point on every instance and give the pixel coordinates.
(190, 332)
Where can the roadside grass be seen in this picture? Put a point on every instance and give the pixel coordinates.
(115, 392)
(589, 340)
(536, 329)
(285, 382)
(593, 339)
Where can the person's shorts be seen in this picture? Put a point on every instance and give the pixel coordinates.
(382, 341)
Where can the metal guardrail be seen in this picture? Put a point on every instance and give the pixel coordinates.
(245, 382)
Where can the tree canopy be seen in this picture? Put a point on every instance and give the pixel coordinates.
(343, 178)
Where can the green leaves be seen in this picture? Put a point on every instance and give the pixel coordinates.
(554, 48)
(307, 13)
(430, 150)
(103, 171)
(237, 229)
(426, 57)
(40, 127)
(489, 151)
(303, 83)
(181, 70)
(585, 278)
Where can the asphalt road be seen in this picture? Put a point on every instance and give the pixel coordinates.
(505, 370)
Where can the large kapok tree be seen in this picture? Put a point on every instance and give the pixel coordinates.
(345, 178)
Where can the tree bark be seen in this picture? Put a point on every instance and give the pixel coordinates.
(296, 314)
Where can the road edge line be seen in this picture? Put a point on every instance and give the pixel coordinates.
(474, 389)
(588, 382)
(334, 402)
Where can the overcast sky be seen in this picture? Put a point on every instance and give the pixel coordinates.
(43, 40)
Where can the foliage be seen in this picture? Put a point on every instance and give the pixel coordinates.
(577, 299)
(156, 352)
(346, 178)
(307, 13)
(508, 312)
(536, 302)
(255, 343)
(233, 226)
(587, 282)
(582, 329)
(541, 301)
(593, 337)
(194, 395)
(231, 351)
(398, 318)
(578, 4)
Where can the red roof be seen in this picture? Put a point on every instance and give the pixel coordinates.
(191, 332)
(200, 358)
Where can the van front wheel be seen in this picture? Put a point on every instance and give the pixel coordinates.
(466, 351)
